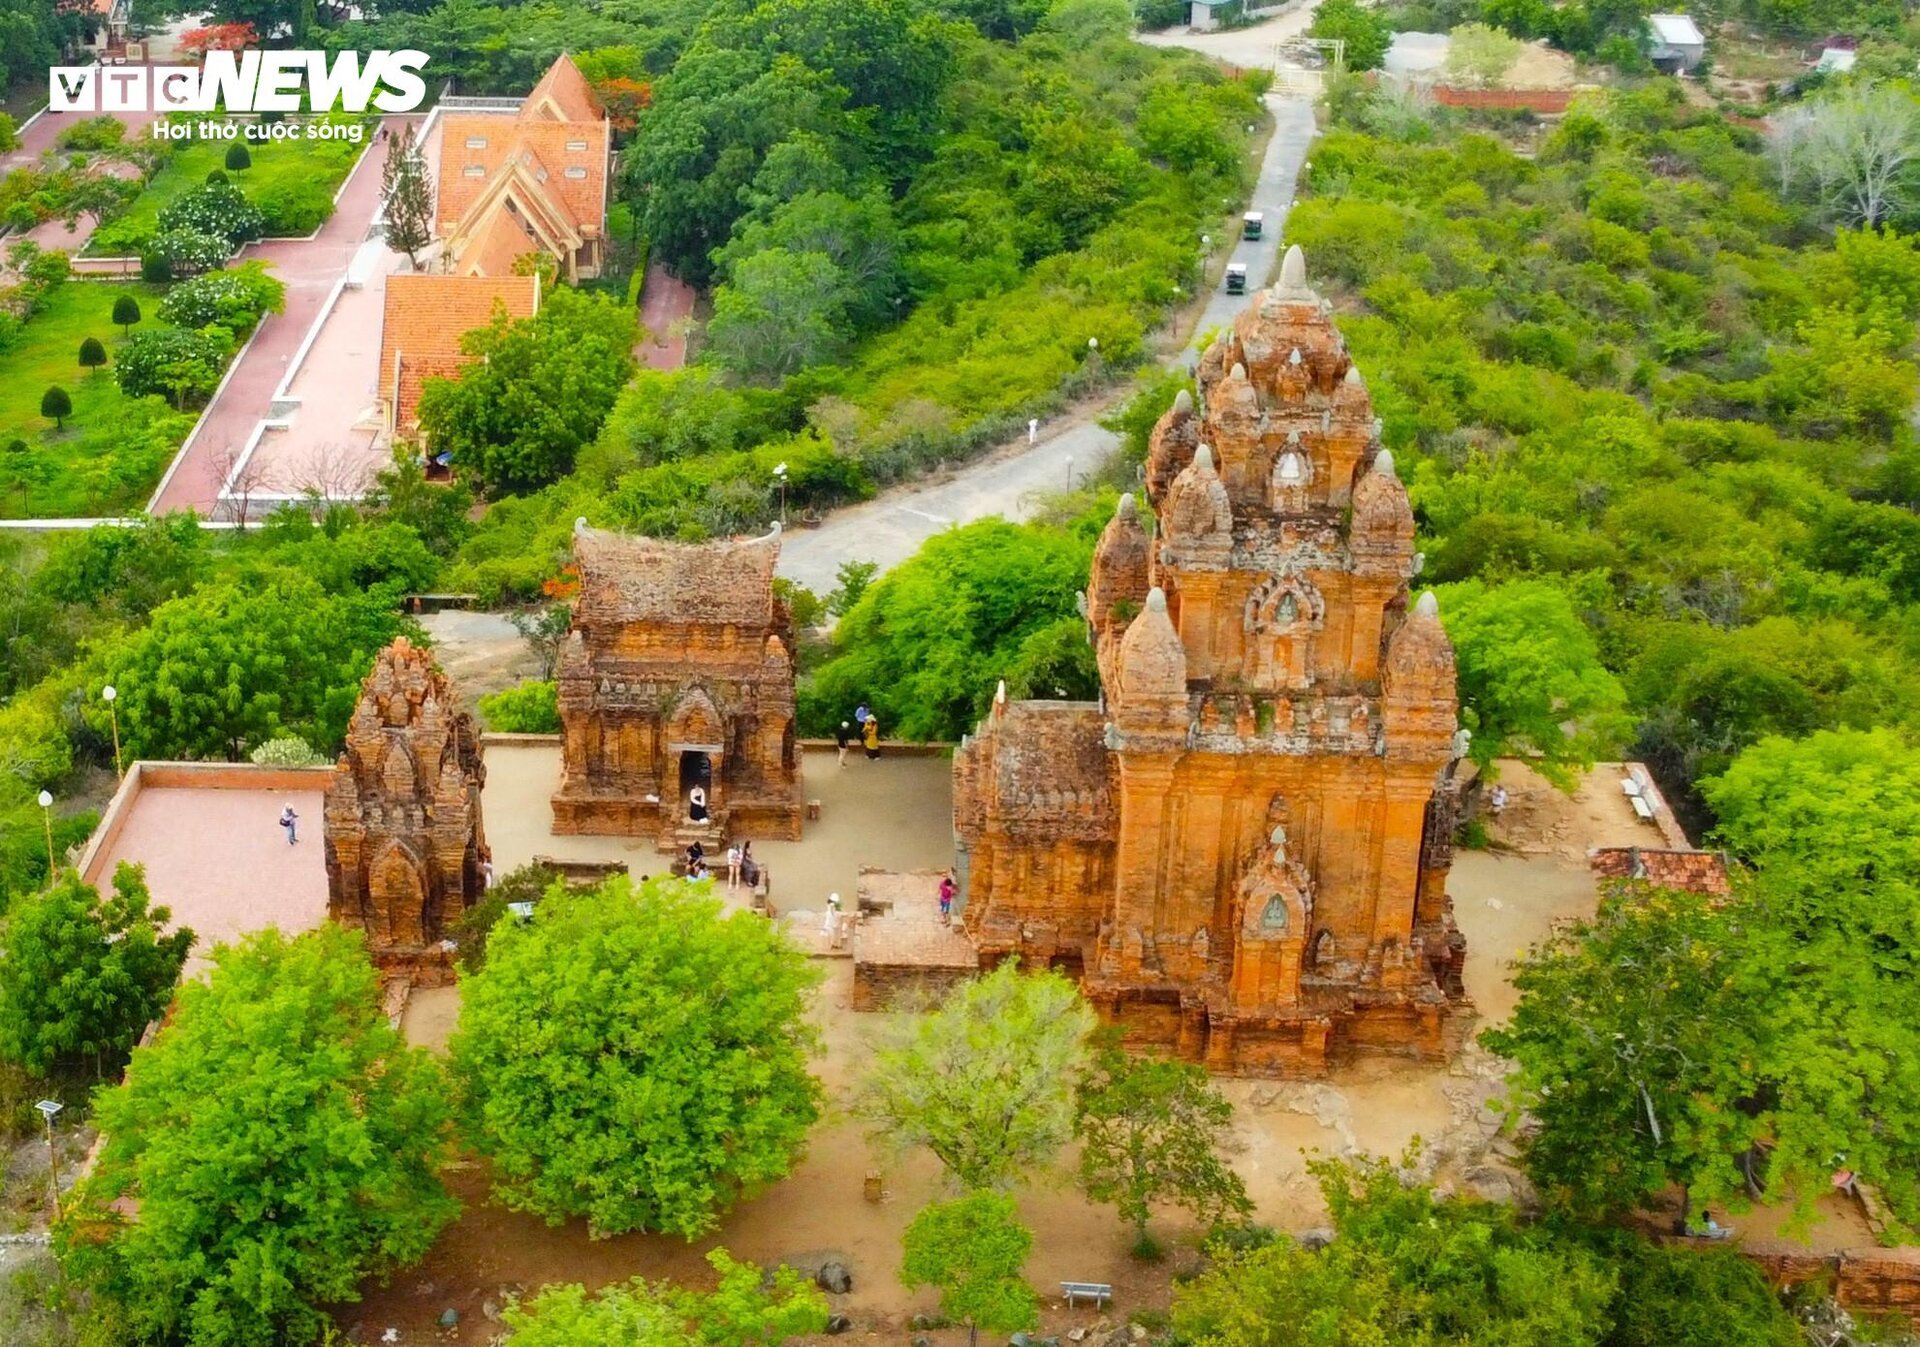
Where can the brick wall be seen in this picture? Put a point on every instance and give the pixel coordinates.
(1550, 102)
(1872, 1281)
(878, 986)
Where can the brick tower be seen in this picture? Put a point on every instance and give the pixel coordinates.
(1242, 849)
(404, 843)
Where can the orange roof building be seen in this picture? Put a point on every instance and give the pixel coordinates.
(535, 181)
(424, 319)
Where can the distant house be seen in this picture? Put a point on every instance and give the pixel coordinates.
(1835, 60)
(532, 181)
(421, 327)
(1675, 43)
(1664, 868)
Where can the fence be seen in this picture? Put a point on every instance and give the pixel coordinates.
(1548, 102)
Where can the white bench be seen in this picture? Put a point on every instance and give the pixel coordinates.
(1642, 808)
(1630, 787)
(1100, 1293)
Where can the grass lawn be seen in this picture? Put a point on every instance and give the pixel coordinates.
(113, 448)
(292, 181)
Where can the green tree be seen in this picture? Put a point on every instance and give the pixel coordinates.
(526, 708)
(1531, 680)
(857, 235)
(183, 367)
(1629, 1042)
(669, 1073)
(972, 1251)
(1366, 32)
(239, 662)
(926, 643)
(409, 196)
(1405, 1269)
(238, 158)
(1479, 56)
(281, 1142)
(518, 415)
(986, 1081)
(126, 312)
(780, 313)
(81, 977)
(216, 208)
(1150, 1130)
(56, 406)
(742, 1311)
(92, 354)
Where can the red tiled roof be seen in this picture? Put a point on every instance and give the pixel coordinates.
(501, 243)
(424, 318)
(1695, 871)
(559, 138)
(414, 371)
(563, 94)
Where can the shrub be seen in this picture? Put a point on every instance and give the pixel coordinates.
(215, 176)
(238, 157)
(55, 405)
(530, 708)
(93, 135)
(178, 365)
(235, 299)
(288, 751)
(293, 208)
(126, 312)
(92, 354)
(184, 252)
(155, 268)
(220, 209)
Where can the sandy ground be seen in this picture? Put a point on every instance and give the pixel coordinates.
(1504, 903)
(481, 652)
(1541, 820)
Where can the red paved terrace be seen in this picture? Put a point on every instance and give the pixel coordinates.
(208, 834)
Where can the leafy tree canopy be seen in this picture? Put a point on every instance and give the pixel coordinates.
(1150, 1130)
(972, 1250)
(81, 977)
(238, 662)
(740, 1312)
(665, 1073)
(927, 643)
(1531, 680)
(281, 1142)
(986, 1081)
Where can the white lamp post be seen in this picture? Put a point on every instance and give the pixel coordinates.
(48, 1109)
(111, 697)
(780, 476)
(46, 818)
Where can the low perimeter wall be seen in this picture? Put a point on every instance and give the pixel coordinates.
(1871, 1281)
(189, 776)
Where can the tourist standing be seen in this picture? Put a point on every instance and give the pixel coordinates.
(843, 736)
(830, 924)
(871, 736)
(862, 713)
(734, 857)
(947, 889)
(290, 821)
(697, 805)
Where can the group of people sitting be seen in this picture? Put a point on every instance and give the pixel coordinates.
(741, 867)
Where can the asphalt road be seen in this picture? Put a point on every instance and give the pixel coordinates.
(1011, 480)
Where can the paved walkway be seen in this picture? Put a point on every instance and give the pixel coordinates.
(664, 301)
(1012, 480)
(309, 268)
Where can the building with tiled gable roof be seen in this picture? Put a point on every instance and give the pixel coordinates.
(423, 320)
(539, 175)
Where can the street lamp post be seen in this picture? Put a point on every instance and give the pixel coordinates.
(780, 476)
(46, 819)
(49, 1108)
(111, 697)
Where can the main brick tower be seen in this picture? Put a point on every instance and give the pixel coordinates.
(1242, 849)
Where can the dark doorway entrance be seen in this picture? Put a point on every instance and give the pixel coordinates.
(696, 769)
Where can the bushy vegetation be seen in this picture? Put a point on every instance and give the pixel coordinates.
(527, 708)
(915, 237)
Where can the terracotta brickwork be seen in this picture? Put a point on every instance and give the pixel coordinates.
(404, 841)
(1242, 849)
(1870, 1281)
(677, 674)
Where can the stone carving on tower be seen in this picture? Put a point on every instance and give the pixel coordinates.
(677, 676)
(405, 848)
(1242, 849)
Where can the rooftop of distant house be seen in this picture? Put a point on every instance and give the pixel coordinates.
(1694, 871)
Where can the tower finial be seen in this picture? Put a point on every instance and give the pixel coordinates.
(1428, 604)
(1293, 269)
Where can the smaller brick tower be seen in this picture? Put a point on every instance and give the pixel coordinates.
(404, 840)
